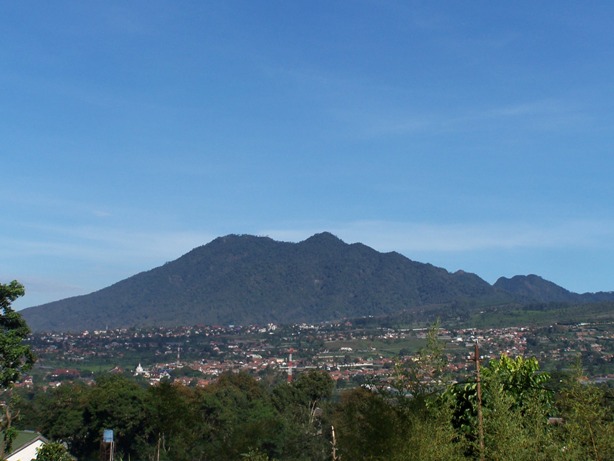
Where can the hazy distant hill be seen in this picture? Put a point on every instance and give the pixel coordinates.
(242, 279)
(534, 288)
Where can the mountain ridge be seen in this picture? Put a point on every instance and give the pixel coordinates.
(245, 279)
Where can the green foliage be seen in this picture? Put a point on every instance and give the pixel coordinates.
(314, 386)
(431, 435)
(422, 375)
(59, 414)
(519, 380)
(53, 451)
(16, 357)
(372, 426)
(368, 426)
(117, 403)
(172, 415)
(254, 455)
(588, 431)
(303, 410)
(237, 416)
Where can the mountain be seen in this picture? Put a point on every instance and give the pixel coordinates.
(243, 279)
(533, 288)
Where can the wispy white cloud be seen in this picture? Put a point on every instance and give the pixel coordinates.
(543, 115)
(102, 213)
(106, 244)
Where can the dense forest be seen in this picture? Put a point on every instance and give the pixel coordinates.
(513, 412)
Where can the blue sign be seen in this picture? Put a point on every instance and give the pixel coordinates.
(107, 436)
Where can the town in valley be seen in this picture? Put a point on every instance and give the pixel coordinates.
(353, 352)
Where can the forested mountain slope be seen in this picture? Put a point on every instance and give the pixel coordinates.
(243, 279)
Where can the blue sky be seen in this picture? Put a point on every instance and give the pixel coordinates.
(471, 135)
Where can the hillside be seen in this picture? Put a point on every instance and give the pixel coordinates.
(533, 288)
(243, 279)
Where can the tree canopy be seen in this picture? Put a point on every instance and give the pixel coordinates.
(16, 357)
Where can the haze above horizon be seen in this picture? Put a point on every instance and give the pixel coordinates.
(473, 136)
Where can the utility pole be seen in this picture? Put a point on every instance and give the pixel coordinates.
(476, 358)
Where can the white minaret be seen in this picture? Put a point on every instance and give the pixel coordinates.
(290, 367)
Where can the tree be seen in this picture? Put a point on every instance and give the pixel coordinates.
(53, 451)
(172, 416)
(422, 375)
(368, 426)
(117, 403)
(315, 386)
(430, 435)
(59, 414)
(236, 417)
(588, 429)
(520, 378)
(15, 357)
(515, 405)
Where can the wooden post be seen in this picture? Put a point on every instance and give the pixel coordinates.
(476, 357)
(334, 444)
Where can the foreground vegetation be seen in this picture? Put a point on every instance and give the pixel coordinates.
(523, 415)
